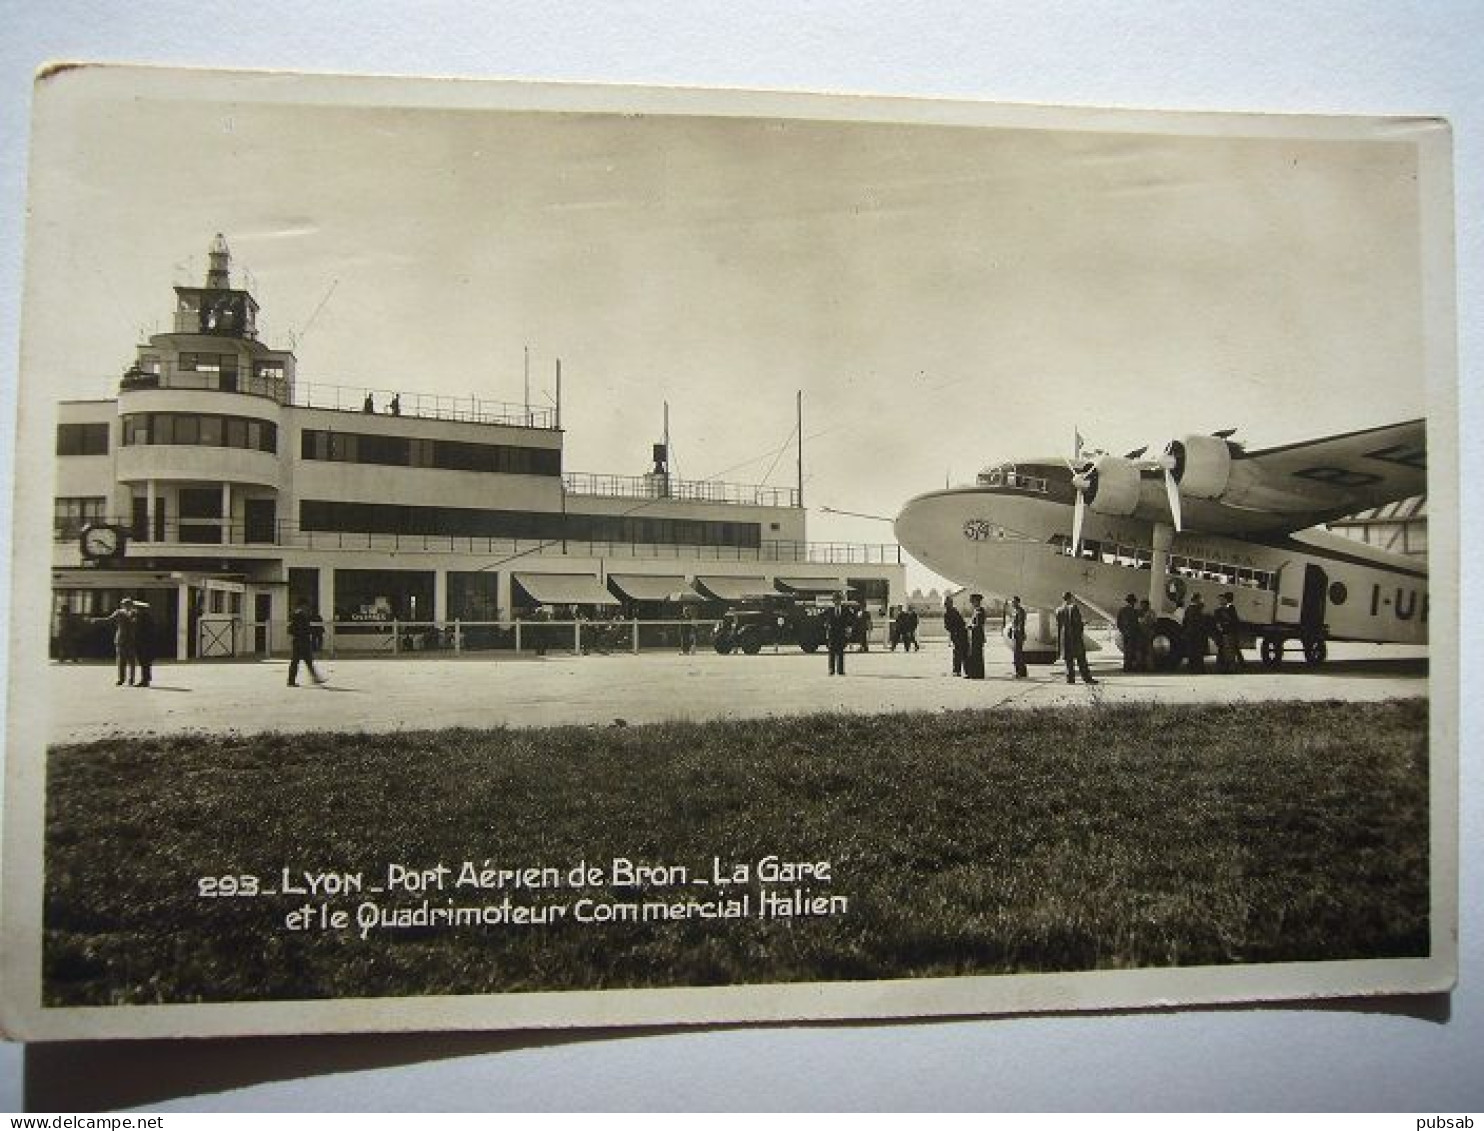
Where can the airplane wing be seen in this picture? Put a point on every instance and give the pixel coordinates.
(1350, 472)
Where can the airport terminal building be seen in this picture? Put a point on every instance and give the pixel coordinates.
(223, 490)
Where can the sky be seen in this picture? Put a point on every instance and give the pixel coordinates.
(944, 296)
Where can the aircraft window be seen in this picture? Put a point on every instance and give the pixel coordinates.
(1007, 476)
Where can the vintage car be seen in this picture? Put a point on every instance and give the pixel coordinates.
(749, 626)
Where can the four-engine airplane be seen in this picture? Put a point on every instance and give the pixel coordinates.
(1207, 517)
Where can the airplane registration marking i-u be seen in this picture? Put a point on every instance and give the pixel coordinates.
(1206, 517)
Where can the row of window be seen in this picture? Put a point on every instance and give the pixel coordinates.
(70, 515)
(1196, 569)
(1008, 476)
(410, 451)
(459, 522)
(205, 429)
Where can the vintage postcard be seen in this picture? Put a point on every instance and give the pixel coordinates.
(506, 555)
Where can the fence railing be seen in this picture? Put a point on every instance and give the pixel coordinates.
(194, 534)
(274, 385)
(357, 639)
(685, 490)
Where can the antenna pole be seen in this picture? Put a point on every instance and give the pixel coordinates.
(562, 477)
(799, 422)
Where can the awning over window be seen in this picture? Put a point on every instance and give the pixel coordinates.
(642, 587)
(812, 584)
(566, 589)
(736, 588)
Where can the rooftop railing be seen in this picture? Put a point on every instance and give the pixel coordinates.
(272, 384)
(424, 406)
(685, 490)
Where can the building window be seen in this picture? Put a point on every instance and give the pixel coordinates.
(202, 362)
(201, 429)
(383, 595)
(200, 503)
(474, 595)
(462, 522)
(412, 451)
(69, 516)
(82, 439)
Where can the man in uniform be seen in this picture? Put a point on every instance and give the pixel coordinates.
(958, 633)
(301, 633)
(839, 625)
(1069, 642)
(1017, 637)
(1228, 636)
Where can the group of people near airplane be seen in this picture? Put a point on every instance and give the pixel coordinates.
(1136, 624)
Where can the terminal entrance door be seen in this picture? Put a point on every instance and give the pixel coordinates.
(262, 610)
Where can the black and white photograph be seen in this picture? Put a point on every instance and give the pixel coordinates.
(512, 556)
(518, 551)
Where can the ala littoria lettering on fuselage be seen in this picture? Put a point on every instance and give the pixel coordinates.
(1205, 517)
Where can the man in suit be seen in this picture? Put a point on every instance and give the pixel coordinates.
(958, 633)
(1069, 642)
(1017, 637)
(144, 641)
(122, 620)
(1194, 631)
(839, 626)
(1130, 631)
(974, 663)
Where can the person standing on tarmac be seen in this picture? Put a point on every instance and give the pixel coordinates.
(839, 625)
(958, 634)
(301, 633)
(144, 641)
(1194, 630)
(974, 665)
(1228, 626)
(1070, 644)
(1147, 624)
(122, 619)
(1129, 631)
(1017, 637)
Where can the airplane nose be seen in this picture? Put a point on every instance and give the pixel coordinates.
(927, 524)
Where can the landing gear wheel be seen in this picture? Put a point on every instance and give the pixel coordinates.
(1164, 646)
(723, 644)
(751, 643)
(1272, 651)
(1314, 652)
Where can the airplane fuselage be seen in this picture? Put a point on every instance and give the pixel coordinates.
(1012, 537)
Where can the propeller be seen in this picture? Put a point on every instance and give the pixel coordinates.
(1169, 464)
(1084, 482)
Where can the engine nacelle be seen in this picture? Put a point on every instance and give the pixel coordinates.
(1202, 465)
(1113, 486)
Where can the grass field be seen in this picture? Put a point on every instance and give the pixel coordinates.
(971, 842)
